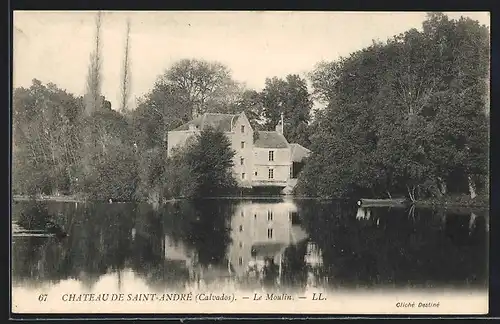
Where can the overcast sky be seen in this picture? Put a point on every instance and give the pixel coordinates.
(55, 46)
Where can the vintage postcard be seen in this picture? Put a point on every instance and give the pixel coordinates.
(247, 162)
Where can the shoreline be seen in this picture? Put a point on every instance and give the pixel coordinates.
(454, 202)
(48, 198)
(424, 204)
(75, 199)
(449, 202)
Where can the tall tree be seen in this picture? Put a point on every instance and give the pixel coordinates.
(202, 85)
(93, 85)
(250, 102)
(47, 136)
(92, 100)
(291, 98)
(125, 86)
(404, 116)
(323, 78)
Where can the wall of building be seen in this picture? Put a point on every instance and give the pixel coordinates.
(177, 250)
(178, 138)
(236, 137)
(255, 221)
(281, 164)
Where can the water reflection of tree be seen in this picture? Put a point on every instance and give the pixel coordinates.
(35, 258)
(33, 215)
(97, 242)
(99, 239)
(147, 244)
(25, 250)
(147, 254)
(202, 225)
(294, 268)
(392, 248)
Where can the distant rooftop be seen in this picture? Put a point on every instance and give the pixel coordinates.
(299, 152)
(270, 139)
(221, 122)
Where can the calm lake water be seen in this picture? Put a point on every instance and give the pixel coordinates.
(209, 243)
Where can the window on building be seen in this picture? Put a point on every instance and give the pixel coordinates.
(269, 233)
(242, 144)
(271, 174)
(271, 155)
(242, 214)
(255, 216)
(242, 128)
(255, 172)
(269, 215)
(243, 176)
(241, 228)
(240, 260)
(242, 161)
(241, 245)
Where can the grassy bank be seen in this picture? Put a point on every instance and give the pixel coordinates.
(481, 201)
(76, 198)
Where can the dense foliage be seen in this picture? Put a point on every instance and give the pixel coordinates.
(203, 167)
(405, 117)
(46, 139)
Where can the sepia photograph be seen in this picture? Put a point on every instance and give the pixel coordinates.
(250, 162)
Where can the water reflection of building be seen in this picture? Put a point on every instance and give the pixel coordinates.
(313, 257)
(177, 254)
(262, 230)
(314, 261)
(177, 251)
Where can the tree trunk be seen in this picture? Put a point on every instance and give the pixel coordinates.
(472, 220)
(442, 186)
(163, 155)
(411, 193)
(472, 187)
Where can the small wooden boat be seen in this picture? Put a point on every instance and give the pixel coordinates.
(397, 202)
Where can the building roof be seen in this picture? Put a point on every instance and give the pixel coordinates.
(299, 152)
(222, 122)
(270, 139)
